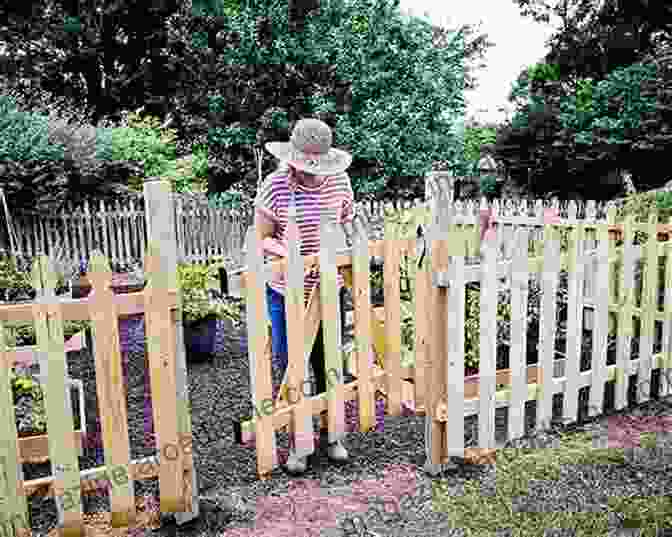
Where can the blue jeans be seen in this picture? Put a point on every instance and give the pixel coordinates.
(276, 312)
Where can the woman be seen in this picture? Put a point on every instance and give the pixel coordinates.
(313, 180)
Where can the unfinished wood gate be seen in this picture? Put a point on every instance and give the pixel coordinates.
(159, 302)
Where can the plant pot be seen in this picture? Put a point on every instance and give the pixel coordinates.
(81, 287)
(121, 284)
(200, 337)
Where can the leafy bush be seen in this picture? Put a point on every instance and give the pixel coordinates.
(14, 282)
(197, 302)
(231, 200)
(189, 174)
(142, 140)
(79, 142)
(20, 334)
(472, 324)
(46, 162)
(640, 205)
(28, 397)
(488, 185)
(24, 136)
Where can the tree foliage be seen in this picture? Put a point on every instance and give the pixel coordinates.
(596, 37)
(475, 138)
(579, 126)
(340, 68)
(232, 75)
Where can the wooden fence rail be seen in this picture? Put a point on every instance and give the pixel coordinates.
(598, 261)
(165, 347)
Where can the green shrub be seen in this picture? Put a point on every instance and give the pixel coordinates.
(640, 205)
(13, 280)
(195, 280)
(23, 334)
(488, 185)
(24, 136)
(144, 141)
(24, 384)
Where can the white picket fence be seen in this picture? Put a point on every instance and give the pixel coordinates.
(120, 231)
(203, 231)
(599, 302)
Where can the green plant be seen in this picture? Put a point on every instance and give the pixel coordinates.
(472, 324)
(13, 280)
(24, 136)
(24, 384)
(197, 303)
(191, 172)
(143, 140)
(21, 334)
(488, 185)
(229, 200)
(640, 206)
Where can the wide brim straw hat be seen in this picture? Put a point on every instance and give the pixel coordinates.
(309, 149)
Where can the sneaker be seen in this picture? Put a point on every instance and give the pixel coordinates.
(337, 452)
(296, 465)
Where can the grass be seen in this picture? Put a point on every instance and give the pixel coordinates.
(479, 514)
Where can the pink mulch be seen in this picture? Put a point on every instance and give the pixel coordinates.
(306, 509)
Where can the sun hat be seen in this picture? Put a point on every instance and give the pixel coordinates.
(309, 149)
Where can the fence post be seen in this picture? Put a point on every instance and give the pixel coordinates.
(160, 220)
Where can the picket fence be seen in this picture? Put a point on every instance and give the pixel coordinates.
(600, 261)
(118, 228)
(61, 445)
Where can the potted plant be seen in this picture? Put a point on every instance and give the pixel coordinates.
(131, 280)
(81, 286)
(15, 283)
(201, 309)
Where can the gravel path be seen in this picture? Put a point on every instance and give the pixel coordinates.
(386, 463)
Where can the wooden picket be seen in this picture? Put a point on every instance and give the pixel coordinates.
(333, 358)
(159, 302)
(63, 454)
(297, 372)
(110, 388)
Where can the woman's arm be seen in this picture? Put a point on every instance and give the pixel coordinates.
(265, 222)
(265, 228)
(348, 212)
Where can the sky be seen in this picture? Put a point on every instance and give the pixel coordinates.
(518, 43)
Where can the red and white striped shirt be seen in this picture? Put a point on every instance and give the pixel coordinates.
(333, 195)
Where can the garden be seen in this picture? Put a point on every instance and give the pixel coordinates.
(386, 81)
(541, 480)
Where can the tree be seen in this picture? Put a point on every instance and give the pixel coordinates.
(597, 106)
(597, 37)
(108, 56)
(476, 136)
(617, 124)
(232, 75)
(357, 48)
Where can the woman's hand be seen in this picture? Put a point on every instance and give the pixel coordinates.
(274, 247)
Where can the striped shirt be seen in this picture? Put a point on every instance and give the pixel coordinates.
(333, 195)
